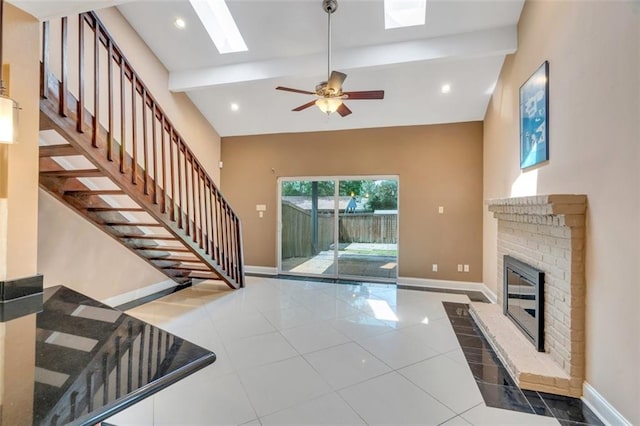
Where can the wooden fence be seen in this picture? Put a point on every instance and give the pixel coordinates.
(354, 228)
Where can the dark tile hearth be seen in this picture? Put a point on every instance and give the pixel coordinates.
(498, 388)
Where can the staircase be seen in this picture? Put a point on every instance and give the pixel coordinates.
(108, 151)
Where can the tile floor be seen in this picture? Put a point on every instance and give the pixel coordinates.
(296, 352)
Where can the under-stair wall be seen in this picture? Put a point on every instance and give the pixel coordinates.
(200, 216)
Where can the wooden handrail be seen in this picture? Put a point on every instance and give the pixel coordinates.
(175, 181)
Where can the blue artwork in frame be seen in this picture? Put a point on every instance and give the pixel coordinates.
(534, 118)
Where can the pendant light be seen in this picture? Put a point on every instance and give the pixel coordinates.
(8, 107)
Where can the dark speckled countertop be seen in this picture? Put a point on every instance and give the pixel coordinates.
(79, 361)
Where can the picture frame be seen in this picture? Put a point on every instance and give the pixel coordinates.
(534, 118)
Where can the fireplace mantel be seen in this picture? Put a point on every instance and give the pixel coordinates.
(547, 232)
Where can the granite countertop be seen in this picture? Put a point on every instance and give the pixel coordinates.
(79, 361)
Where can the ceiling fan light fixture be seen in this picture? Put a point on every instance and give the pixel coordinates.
(329, 105)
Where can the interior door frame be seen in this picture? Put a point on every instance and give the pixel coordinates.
(336, 233)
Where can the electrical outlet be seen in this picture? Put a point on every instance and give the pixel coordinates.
(434, 267)
(466, 268)
(459, 267)
(441, 209)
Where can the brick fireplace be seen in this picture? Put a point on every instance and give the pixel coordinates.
(546, 232)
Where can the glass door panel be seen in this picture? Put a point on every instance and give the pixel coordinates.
(368, 229)
(308, 227)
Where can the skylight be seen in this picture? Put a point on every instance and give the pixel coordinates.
(404, 13)
(216, 18)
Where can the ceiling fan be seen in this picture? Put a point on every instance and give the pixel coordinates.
(330, 94)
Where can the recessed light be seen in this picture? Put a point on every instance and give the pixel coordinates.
(446, 88)
(235, 106)
(179, 23)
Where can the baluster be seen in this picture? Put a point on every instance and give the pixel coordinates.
(118, 367)
(110, 98)
(96, 85)
(143, 331)
(89, 391)
(80, 110)
(207, 213)
(134, 126)
(105, 379)
(150, 358)
(219, 247)
(154, 142)
(44, 90)
(164, 170)
(123, 127)
(64, 71)
(173, 182)
(158, 353)
(179, 184)
(240, 255)
(202, 231)
(73, 405)
(225, 250)
(186, 183)
(130, 357)
(232, 244)
(193, 194)
(145, 147)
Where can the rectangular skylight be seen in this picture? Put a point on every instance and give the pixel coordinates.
(217, 20)
(404, 13)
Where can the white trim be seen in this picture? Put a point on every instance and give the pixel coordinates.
(262, 270)
(123, 298)
(450, 285)
(601, 407)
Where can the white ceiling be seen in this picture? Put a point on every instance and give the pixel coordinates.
(463, 43)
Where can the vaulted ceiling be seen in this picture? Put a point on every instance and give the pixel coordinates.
(462, 44)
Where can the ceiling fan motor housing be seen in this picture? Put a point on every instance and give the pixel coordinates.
(330, 6)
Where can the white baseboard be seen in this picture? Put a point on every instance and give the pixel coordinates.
(449, 285)
(262, 270)
(138, 293)
(601, 407)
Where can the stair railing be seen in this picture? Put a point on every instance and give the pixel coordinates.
(109, 99)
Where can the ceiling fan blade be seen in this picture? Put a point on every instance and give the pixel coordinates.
(343, 110)
(289, 89)
(305, 106)
(368, 94)
(335, 81)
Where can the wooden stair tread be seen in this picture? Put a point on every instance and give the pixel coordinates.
(149, 237)
(175, 259)
(187, 268)
(160, 248)
(73, 173)
(62, 150)
(133, 224)
(95, 192)
(115, 209)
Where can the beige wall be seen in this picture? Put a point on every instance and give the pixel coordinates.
(437, 165)
(77, 254)
(73, 252)
(21, 160)
(593, 50)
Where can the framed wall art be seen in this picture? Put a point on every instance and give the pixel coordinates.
(534, 118)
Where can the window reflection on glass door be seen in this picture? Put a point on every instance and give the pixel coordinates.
(308, 227)
(367, 229)
(339, 228)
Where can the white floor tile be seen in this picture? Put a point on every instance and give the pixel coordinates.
(281, 385)
(393, 400)
(360, 326)
(202, 399)
(456, 421)
(483, 415)
(289, 317)
(326, 410)
(447, 381)
(242, 326)
(260, 349)
(314, 336)
(346, 365)
(399, 348)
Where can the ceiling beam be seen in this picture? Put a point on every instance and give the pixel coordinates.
(498, 41)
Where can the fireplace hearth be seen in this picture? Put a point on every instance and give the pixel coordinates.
(523, 300)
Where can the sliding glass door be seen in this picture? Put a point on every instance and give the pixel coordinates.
(339, 228)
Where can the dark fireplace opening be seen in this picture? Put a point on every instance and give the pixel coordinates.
(523, 300)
